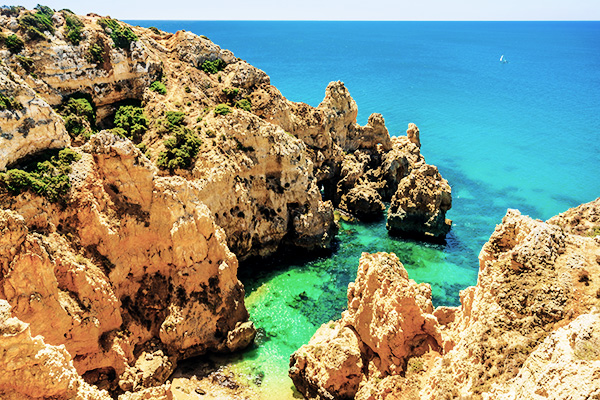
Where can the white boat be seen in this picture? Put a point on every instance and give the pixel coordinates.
(503, 60)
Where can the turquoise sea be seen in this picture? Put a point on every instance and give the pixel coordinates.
(523, 134)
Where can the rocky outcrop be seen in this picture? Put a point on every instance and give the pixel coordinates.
(29, 125)
(133, 269)
(389, 320)
(419, 207)
(31, 368)
(57, 68)
(364, 202)
(528, 329)
(583, 220)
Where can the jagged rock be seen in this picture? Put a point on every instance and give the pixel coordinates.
(582, 220)
(364, 202)
(30, 127)
(388, 321)
(418, 209)
(151, 264)
(413, 134)
(330, 366)
(529, 329)
(31, 368)
(566, 365)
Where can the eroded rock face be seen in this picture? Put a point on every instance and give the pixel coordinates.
(389, 320)
(419, 207)
(30, 127)
(528, 329)
(31, 368)
(364, 202)
(132, 259)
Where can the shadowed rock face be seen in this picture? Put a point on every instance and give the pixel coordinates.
(138, 265)
(419, 207)
(529, 328)
(132, 269)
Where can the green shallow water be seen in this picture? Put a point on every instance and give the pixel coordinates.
(289, 300)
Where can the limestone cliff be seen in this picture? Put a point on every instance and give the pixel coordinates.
(528, 329)
(262, 161)
(131, 268)
(180, 159)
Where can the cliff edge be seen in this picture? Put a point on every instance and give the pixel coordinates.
(529, 329)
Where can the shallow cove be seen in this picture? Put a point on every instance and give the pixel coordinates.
(517, 135)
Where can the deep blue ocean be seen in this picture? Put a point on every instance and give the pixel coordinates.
(523, 134)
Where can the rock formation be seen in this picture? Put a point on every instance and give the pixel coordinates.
(132, 267)
(29, 125)
(419, 206)
(134, 257)
(529, 328)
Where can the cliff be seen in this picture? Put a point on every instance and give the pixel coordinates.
(528, 330)
(137, 167)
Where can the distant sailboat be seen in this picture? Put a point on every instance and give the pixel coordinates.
(503, 60)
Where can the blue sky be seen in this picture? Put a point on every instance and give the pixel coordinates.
(335, 10)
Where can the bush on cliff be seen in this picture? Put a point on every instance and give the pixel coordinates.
(122, 36)
(212, 67)
(222, 109)
(11, 11)
(95, 54)
(73, 27)
(79, 116)
(244, 104)
(13, 43)
(181, 149)
(132, 120)
(9, 103)
(48, 178)
(158, 87)
(35, 24)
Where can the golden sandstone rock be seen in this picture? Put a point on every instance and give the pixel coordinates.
(137, 266)
(529, 328)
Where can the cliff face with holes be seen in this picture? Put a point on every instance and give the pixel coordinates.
(530, 328)
(136, 263)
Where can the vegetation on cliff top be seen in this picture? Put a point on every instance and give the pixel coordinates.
(35, 24)
(122, 36)
(73, 26)
(181, 147)
(9, 103)
(212, 67)
(48, 178)
(13, 43)
(158, 87)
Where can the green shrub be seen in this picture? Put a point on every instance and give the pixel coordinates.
(231, 93)
(44, 10)
(187, 89)
(122, 36)
(95, 54)
(14, 43)
(222, 109)
(50, 177)
(35, 24)
(155, 30)
(9, 103)
(182, 147)
(175, 118)
(73, 27)
(158, 87)
(79, 116)
(212, 67)
(26, 62)
(244, 104)
(132, 120)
